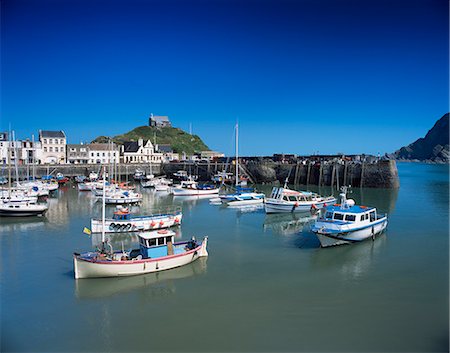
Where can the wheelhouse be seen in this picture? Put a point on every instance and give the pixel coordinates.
(360, 214)
(156, 244)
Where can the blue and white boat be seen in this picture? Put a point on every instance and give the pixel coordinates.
(347, 223)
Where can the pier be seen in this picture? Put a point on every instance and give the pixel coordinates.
(309, 171)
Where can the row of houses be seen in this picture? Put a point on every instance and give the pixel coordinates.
(51, 148)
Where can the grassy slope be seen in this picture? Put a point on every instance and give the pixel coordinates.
(177, 138)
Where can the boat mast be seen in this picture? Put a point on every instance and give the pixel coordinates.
(237, 158)
(103, 208)
(15, 158)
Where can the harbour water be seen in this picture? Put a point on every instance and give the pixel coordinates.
(266, 285)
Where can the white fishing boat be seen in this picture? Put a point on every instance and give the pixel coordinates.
(139, 174)
(124, 221)
(192, 188)
(157, 252)
(347, 223)
(123, 197)
(287, 200)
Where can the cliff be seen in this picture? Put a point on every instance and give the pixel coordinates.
(434, 147)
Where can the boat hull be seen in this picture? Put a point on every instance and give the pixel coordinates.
(136, 223)
(193, 192)
(351, 236)
(92, 269)
(237, 203)
(275, 206)
(25, 212)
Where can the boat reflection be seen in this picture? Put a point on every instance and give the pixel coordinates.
(350, 261)
(22, 224)
(287, 223)
(159, 283)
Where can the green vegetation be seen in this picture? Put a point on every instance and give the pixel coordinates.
(179, 140)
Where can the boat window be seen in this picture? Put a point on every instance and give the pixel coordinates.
(292, 198)
(152, 242)
(372, 216)
(339, 216)
(350, 217)
(329, 215)
(285, 198)
(161, 241)
(169, 239)
(363, 217)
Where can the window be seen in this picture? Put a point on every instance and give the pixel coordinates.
(363, 217)
(45, 140)
(103, 154)
(56, 149)
(50, 149)
(372, 216)
(50, 141)
(161, 241)
(168, 239)
(98, 154)
(285, 198)
(82, 149)
(45, 149)
(339, 216)
(292, 198)
(328, 215)
(73, 150)
(350, 217)
(152, 242)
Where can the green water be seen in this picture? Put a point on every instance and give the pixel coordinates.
(266, 286)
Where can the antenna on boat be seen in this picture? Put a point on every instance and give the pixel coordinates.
(287, 179)
(237, 156)
(103, 209)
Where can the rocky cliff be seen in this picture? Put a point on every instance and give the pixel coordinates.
(433, 148)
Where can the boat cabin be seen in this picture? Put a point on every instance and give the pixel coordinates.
(156, 244)
(122, 214)
(353, 214)
(283, 194)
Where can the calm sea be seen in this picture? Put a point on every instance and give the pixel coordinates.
(266, 286)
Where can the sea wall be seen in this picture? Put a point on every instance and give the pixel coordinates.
(377, 174)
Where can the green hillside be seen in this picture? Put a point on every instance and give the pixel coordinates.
(177, 138)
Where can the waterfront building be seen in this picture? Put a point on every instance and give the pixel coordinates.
(159, 121)
(141, 151)
(103, 153)
(77, 154)
(4, 144)
(29, 152)
(53, 146)
(167, 152)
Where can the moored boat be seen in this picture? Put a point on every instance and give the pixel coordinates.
(287, 200)
(193, 188)
(347, 223)
(124, 221)
(22, 209)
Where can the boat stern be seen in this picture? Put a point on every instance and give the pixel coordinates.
(203, 251)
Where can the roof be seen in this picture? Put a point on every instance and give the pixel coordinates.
(102, 147)
(130, 146)
(47, 133)
(157, 234)
(353, 209)
(160, 118)
(165, 148)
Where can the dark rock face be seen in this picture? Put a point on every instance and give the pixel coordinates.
(434, 147)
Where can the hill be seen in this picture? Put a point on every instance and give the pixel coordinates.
(175, 137)
(434, 147)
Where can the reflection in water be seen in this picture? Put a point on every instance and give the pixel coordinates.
(21, 224)
(159, 283)
(287, 223)
(351, 261)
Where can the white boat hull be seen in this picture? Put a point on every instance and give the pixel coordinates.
(348, 237)
(238, 203)
(136, 224)
(92, 269)
(193, 192)
(15, 209)
(275, 206)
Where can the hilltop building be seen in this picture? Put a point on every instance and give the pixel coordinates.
(53, 146)
(159, 121)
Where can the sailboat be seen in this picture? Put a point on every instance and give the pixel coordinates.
(157, 252)
(18, 205)
(243, 196)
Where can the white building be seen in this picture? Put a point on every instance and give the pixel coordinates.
(77, 154)
(103, 153)
(4, 144)
(30, 152)
(140, 152)
(53, 146)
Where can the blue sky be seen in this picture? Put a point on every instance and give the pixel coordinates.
(300, 76)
